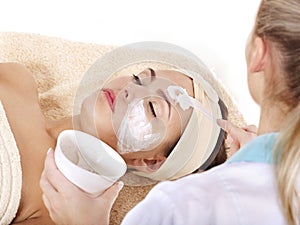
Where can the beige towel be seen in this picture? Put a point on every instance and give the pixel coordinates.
(10, 172)
(58, 66)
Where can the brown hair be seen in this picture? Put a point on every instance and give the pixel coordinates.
(278, 23)
(219, 154)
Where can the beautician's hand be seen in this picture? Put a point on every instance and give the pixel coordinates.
(68, 205)
(237, 136)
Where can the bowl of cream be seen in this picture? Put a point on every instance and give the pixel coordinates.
(88, 162)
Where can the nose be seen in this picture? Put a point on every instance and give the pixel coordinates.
(132, 92)
(128, 94)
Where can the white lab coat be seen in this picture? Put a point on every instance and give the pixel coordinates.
(241, 192)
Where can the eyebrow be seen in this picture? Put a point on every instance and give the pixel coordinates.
(163, 95)
(161, 92)
(153, 74)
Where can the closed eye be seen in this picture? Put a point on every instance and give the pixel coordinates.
(137, 79)
(152, 109)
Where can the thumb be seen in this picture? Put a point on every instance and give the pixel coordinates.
(235, 132)
(112, 193)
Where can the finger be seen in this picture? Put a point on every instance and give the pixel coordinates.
(45, 185)
(55, 177)
(49, 191)
(107, 199)
(235, 132)
(234, 147)
(49, 161)
(49, 207)
(228, 140)
(111, 194)
(46, 202)
(251, 128)
(223, 124)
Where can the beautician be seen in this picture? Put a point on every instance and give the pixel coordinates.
(258, 185)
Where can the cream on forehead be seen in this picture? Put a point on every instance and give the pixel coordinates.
(180, 96)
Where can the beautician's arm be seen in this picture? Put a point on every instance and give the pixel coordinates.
(68, 205)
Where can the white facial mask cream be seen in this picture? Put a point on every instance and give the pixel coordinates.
(136, 131)
(181, 97)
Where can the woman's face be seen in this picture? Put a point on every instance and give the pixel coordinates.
(139, 104)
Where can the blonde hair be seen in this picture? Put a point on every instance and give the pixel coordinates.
(287, 157)
(278, 22)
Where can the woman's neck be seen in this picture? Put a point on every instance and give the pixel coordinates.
(57, 126)
(272, 117)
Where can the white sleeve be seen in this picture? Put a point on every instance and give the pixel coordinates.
(170, 203)
(156, 208)
(226, 194)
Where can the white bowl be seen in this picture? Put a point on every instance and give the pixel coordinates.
(88, 162)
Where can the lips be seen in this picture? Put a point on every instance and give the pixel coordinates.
(110, 97)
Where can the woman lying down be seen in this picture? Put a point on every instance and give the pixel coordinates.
(169, 112)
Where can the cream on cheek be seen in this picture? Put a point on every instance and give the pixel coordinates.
(136, 132)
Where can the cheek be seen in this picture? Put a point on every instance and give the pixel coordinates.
(251, 87)
(174, 128)
(256, 87)
(87, 114)
(103, 121)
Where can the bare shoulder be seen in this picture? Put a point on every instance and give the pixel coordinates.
(18, 77)
(12, 68)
